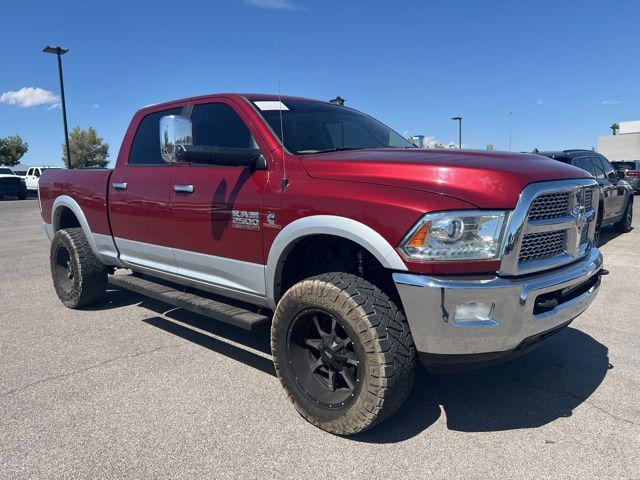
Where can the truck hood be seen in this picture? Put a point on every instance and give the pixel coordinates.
(482, 178)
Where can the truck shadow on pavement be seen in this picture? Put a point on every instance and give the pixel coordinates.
(527, 392)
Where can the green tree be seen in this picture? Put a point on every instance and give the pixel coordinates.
(614, 128)
(87, 149)
(12, 149)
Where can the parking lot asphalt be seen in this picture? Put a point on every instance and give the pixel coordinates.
(132, 389)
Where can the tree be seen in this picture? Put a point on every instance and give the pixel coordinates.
(614, 128)
(87, 149)
(12, 149)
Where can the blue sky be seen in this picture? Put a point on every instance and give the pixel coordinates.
(566, 69)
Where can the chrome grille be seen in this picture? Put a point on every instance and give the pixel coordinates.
(552, 225)
(588, 198)
(539, 246)
(550, 205)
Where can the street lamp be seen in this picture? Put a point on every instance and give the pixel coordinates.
(59, 51)
(459, 120)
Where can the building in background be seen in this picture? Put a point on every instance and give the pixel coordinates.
(625, 145)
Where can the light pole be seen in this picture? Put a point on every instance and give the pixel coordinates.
(59, 51)
(459, 120)
(510, 115)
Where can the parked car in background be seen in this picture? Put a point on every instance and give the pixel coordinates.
(616, 195)
(11, 184)
(631, 169)
(33, 176)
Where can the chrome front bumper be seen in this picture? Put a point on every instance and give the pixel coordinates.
(429, 304)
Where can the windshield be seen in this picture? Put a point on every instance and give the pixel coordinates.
(313, 127)
(6, 171)
(624, 165)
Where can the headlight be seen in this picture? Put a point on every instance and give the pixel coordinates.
(455, 235)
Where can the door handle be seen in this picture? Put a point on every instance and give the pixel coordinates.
(119, 185)
(183, 188)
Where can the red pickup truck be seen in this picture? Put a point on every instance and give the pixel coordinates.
(362, 252)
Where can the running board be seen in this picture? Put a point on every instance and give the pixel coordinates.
(240, 317)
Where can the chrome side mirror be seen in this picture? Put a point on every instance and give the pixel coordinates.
(176, 133)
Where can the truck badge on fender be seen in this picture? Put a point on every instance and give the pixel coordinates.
(243, 220)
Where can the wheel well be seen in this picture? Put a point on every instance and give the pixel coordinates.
(317, 254)
(66, 219)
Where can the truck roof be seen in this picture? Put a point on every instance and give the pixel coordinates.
(249, 96)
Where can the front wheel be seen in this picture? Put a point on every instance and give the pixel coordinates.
(79, 277)
(624, 224)
(343, 352)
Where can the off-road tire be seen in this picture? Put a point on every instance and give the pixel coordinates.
(382, 333)
(87, 282)
(625, 223)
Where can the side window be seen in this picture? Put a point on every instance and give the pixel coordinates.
(599, 168)
(36, 172)
(28, 172)
(606, 166)
(218, 125)
(585, 164)
(145, 149)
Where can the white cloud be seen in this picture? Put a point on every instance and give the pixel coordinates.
(274, 4)
(30, 97)
(541, 102)
(95, 106)
(611, 102)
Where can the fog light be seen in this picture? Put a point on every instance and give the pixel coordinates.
(473, 314)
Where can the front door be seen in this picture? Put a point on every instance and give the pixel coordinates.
(139, 200)
(217, 210)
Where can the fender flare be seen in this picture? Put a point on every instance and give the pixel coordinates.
(106, 256)
(334, 225)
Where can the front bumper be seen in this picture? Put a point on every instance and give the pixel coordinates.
(516, 317)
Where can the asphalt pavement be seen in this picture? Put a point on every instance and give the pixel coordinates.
(130, 388)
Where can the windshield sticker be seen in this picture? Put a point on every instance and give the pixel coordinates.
(271, 105)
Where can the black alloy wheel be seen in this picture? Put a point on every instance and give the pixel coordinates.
(324, 358)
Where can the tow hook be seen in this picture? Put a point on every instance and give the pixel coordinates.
(603, 272)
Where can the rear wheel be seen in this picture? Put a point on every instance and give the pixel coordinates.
(624, 224)
(22, 196)
(343, 352)
(78, 276)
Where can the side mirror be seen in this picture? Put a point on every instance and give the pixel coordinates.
(176, 133)
(621, 174)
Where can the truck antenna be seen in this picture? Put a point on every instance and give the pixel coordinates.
(285, 181)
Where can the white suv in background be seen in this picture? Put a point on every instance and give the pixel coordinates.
(33, 175)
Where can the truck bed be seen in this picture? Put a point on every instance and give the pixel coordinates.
(88, 187)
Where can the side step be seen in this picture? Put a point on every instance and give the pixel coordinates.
(225, 312)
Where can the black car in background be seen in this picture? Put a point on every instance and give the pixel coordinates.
(631, 169)
(616, 195)
(12, 184)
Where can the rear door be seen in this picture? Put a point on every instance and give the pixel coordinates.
(217, 210)
(139, 200)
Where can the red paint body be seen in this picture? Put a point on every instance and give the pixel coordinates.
(387, 189)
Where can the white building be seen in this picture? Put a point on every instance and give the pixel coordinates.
(625, 145)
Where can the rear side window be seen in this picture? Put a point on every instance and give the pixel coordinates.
(624, 165)
(145, 149)
(218, 125)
